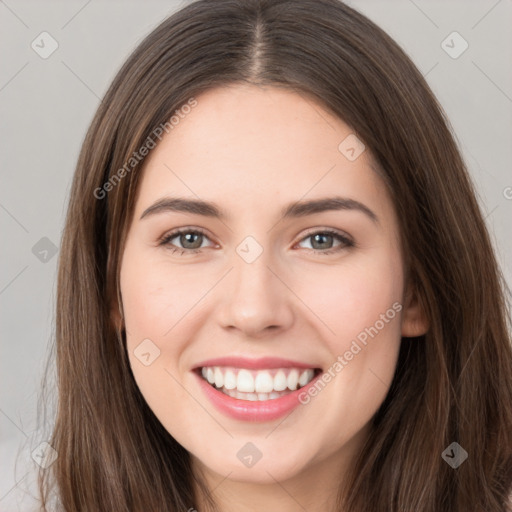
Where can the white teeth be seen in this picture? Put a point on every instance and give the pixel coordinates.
(293, 380)
(253, 396)
(280, 381)
(305, 377)
(258, 382)
(219, 378)
(245, 381)
(263, 383)
(229, 380)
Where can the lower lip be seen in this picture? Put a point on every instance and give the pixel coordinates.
(246, 410)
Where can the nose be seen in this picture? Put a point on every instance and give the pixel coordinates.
(258, 301)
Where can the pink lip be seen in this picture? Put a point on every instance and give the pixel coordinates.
(256, 411)
(254, 364)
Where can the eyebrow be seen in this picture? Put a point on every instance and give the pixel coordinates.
(293, 210)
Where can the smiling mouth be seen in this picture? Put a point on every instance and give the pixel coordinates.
(257, 385)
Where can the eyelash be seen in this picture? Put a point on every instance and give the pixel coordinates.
(345, 241)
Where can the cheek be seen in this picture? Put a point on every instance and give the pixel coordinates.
(154, 302)
(156, 297)
(352, 296)
(361, 305)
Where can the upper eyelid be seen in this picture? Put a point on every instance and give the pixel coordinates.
(334, 231)
(173, 233)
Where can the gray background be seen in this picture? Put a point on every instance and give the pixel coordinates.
(47, 104)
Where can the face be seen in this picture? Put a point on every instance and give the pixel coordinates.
(266, 288)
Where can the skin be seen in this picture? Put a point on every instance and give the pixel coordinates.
(253, 151)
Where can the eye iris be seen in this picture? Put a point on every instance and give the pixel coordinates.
(186, 237)
(321, 236)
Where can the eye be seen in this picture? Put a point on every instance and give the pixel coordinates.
(322, 241)
(190, 240)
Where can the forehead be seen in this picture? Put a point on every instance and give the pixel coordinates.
(245, 146)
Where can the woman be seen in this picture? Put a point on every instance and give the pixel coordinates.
(258, 368)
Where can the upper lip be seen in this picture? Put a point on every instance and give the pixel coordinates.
(254, 364)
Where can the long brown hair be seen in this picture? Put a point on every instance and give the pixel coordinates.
(452, 385)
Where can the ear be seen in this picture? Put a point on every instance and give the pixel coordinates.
(414, 320)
